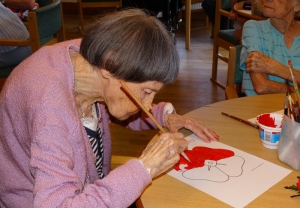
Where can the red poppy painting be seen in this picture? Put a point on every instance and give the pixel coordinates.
(216, 165)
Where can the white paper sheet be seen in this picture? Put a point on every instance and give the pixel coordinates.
(236, 180)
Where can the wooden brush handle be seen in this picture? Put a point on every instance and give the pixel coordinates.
(142, 106)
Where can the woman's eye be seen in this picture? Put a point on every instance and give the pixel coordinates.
(147, 91)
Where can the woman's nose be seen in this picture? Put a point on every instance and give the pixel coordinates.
(148, 106)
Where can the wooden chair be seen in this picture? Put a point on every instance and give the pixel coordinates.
(234, 74)
(196, 7)
(45, 27)
(95, 4)
(222, 38)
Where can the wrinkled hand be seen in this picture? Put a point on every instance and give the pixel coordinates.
(174, 122)
(164, 153)
(259, 63)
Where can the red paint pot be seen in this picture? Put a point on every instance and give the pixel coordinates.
(270, 125)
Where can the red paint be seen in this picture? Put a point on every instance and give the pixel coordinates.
(267, 120)
(199, 154)
(298, 184)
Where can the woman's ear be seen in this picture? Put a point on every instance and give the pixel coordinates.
(106, 74)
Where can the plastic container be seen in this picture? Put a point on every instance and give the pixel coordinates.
(270, 125)
(289, 143)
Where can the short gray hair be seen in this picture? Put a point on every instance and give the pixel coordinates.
(133, 46)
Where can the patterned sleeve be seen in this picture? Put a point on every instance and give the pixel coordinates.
(252, 41)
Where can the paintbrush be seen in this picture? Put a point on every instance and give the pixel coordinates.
(148, 113)
(286, 105)
(296, 88)
(290, 105)
(242, 120)
(294, 81)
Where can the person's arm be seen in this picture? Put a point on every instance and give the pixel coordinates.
(163, 112)
(262, 85)
(260, 65)
(251, 42)
(20, 4)
(175, 122)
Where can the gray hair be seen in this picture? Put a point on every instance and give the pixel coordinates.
(133, 46)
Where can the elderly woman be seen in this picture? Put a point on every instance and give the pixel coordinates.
(268, 45)
(56, 106)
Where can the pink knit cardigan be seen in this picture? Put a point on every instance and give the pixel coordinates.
(46, 159)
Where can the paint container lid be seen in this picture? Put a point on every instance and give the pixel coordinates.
(270, 125)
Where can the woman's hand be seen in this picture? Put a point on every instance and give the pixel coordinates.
(260, 63)
(164, 153)
(257, 62)
(174, 122)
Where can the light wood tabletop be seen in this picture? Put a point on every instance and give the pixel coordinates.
(167, 191)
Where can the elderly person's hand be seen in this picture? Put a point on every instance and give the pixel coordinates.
(260, 63)
(164, 153)
(174, 122)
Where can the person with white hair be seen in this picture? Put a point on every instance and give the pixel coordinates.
(268, 47)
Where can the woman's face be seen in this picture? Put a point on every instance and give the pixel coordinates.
(121, 105)
(278, 8)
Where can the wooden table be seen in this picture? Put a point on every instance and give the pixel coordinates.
(167, 191)
(238, 9)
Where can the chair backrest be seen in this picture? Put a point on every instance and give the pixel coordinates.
(227, 35)
(45, 25)
(43, 3)
(4, 73)
(226, 4)
(234, 73)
